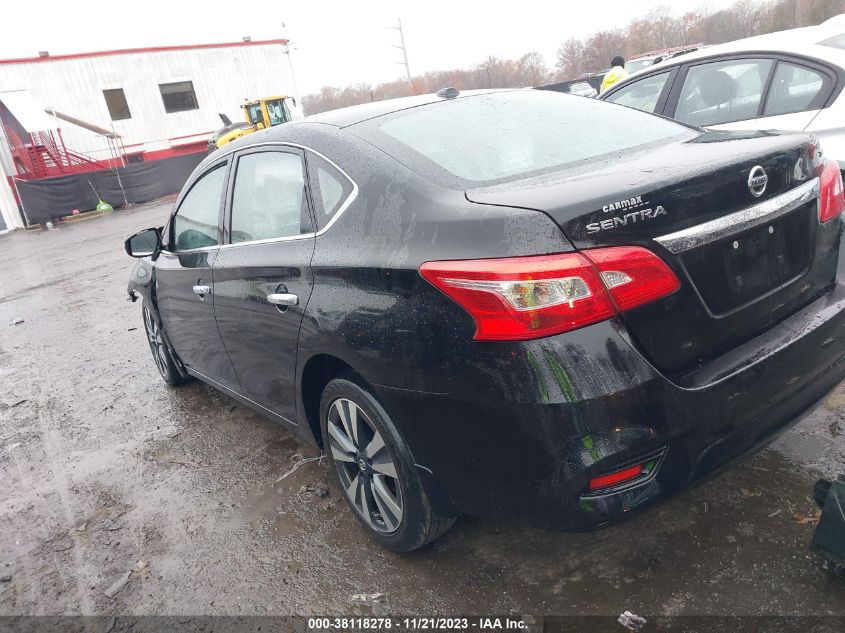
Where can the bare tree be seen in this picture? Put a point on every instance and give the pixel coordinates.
(531, 69)
(659, 28)
(570, 59)
(602, 47)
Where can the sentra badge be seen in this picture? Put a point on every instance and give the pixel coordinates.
(634, 214)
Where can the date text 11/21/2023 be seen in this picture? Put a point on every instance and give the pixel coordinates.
(420, 623)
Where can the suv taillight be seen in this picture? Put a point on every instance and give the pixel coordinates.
(831, 200)
(520, 298)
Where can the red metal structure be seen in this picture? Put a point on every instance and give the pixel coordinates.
(43, 155)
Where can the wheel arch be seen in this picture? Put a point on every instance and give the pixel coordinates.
(317, 372)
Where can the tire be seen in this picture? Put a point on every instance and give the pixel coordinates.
(375, 469)
(165, 359)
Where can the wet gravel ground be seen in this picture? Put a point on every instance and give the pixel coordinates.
(102, 465)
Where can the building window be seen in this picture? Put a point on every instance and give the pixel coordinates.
(178, 96)
(116, 103)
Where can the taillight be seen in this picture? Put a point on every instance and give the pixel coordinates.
(831, 200)
(520, 298)
(633, 275)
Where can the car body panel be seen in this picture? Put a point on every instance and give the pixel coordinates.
(188, 318)
(515, 430)
(797, 121)
(802, 41)
(801, 46)
(589, 403)
(829, 126)
(264, 353)
(630, 200)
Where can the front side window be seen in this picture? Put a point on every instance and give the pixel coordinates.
(492, 137)
(195, 223)
(722, 92)
(330, 189)
(794, 89)
(643, 94)
(116, 103)
(178, 96)
(269, 199)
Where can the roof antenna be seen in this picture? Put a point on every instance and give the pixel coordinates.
(448, 93)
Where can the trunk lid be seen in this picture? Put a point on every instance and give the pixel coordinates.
(763, 257)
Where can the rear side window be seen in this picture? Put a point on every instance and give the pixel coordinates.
(195, 223)
(491, 137)
(269, 197)
(721, 92)
(794, 89)
(643, 94)
(330, 189)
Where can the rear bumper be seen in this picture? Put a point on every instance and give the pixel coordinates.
(526, 425)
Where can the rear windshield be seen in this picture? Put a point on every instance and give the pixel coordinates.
(505, 135)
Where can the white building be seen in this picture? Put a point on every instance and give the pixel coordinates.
(158, 101)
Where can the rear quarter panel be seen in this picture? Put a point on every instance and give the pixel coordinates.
(829, 127)
(370, 307)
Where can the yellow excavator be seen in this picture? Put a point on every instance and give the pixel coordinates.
(259, 115)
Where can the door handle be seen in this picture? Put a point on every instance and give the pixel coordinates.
(202, 290)
(283, 299)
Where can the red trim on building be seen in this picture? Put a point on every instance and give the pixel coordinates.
(130, 51)
(179, 150)
(175, 138)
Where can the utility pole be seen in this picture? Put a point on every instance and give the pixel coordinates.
(404, 53)
(286, 52)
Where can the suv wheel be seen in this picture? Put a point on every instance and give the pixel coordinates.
(164, 357)
(375, 469)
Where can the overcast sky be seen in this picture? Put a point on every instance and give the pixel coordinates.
(335, 42)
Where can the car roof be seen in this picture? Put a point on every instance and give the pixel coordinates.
(803, 42)
(340, 118)
(350, 115)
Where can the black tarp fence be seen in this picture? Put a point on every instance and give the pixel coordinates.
(50, 198)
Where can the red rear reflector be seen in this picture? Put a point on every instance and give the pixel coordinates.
(520, 298)
(831, 200)
(612, 479)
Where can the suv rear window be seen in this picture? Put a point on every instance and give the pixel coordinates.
(498, 136)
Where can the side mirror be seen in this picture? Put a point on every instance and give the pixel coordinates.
(143, 243)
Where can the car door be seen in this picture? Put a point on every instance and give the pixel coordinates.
(262, 274)
(795, 95)
(184, 279)
(750, 93)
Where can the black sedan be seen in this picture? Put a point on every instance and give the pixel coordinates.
(517, 304)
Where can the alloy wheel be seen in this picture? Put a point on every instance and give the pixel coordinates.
(366, 468)
(157, 344)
